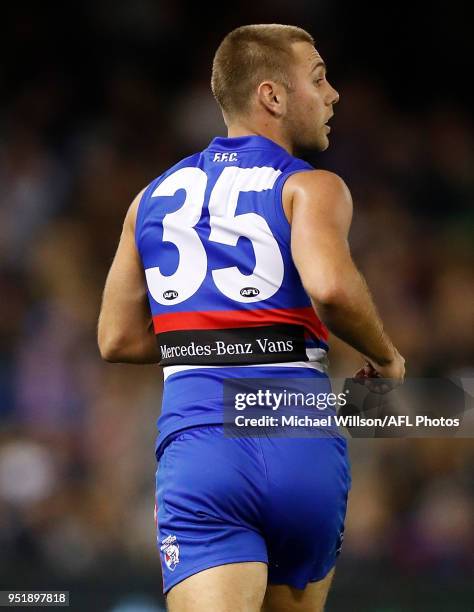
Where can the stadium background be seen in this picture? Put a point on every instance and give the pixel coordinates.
(98, 98)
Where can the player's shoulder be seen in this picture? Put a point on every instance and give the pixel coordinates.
(191, 161)
(318, 182)
(186, 162)
(317, 193)
(132, 209)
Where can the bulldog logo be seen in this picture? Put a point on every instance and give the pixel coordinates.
(170, 549)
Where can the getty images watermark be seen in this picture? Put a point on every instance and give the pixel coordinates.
(317, 407)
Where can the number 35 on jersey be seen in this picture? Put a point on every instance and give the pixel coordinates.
(226, 227)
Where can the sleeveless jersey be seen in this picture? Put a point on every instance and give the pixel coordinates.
(225, 295)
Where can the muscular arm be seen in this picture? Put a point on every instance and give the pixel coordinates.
(125, 330)
(319, 207)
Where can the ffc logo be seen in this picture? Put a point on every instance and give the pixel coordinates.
(249, 292)
(222, 157)
(170, 294)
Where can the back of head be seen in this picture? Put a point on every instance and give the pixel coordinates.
(249, 55)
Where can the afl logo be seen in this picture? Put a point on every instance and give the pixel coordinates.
(249, 292)
(170, 294)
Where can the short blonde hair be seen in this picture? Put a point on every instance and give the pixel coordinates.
(247, 56)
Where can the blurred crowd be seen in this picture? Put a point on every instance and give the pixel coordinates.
(76, 434)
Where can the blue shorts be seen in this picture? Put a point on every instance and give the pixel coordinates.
(281, 501)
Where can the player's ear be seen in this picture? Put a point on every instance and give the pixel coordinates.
(272, 96)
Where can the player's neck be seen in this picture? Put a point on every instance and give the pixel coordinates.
(234, 131)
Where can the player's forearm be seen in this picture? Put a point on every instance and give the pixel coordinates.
(123, 350)
(350, 313)
(126, 341)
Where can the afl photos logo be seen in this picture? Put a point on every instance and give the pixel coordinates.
(249, 292)
(170, 549)
(170, 294)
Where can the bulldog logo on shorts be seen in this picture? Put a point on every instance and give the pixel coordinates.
(170, 548)
(340, 540)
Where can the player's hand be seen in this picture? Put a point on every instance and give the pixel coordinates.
(382, 379)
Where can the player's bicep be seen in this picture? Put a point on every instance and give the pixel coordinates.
(321, 218)
(126, 279)
(124, 313)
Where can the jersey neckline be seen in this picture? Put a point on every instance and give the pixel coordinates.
(252, 141)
